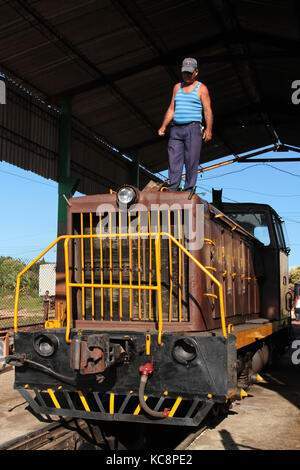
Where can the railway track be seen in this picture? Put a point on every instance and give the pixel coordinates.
(79, 434)
(63, 435)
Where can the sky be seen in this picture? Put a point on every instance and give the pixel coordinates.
(29, 202)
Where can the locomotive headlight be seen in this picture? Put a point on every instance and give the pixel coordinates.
(127, 195)
(45, 345)
(185, 350)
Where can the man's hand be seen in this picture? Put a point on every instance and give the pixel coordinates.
(162, 131)
(207, 135)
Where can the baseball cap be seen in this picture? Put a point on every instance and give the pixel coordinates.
(189, 65)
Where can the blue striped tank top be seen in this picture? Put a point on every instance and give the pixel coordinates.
(188, 106)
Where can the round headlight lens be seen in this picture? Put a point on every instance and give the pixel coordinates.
(126, 195)
(45, 345)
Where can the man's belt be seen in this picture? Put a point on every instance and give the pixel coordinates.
(186, 123)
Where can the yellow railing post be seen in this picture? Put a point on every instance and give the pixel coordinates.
(158, 282)
(68, 300)
(18, 281)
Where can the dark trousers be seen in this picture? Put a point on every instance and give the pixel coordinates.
(184, 148)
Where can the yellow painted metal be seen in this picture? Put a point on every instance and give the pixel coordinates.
(170, 268)
(218, 165)
(18, 280)
(68, 297)
(174, 407)
(120, 266)
(82, 267)
(53, 398)
(83, 401)
(244, 338)
(138, 408)
(113, 286)
(219, 285)
(150, 264)
(208, 241)
(211, 295)
(158, 235)
(148, 345)
(101, 262)
(130, 267)
(179, 267)
(111, 403)
(110, 265)
(158, 278)
(92, 266)
(139, 263)
(53, 324)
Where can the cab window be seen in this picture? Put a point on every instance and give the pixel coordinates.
(255, 223)
(278, 232)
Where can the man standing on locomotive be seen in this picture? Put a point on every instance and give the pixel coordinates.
(189, 99)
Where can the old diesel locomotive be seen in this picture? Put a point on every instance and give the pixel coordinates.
(166, 307)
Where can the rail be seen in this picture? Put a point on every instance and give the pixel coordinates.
(151, 287)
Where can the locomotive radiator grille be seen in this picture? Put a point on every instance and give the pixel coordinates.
(114, 276)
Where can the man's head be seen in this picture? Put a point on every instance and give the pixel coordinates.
(189, 69)
(189, 65)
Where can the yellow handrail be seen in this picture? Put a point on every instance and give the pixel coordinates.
(157, 287)
(23, 272)
(221, 298)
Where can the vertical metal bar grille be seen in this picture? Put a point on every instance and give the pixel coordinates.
(129, 260)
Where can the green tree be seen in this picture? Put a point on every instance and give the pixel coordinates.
(10, 268)
(294, 276)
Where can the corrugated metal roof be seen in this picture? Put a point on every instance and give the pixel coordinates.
(119, 59)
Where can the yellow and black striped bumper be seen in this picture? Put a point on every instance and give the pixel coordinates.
(113, 407)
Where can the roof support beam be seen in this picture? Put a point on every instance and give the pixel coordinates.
(66, 184)
(46, 28)
(224, 12)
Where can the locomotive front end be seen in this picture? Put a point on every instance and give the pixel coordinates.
(137, 293)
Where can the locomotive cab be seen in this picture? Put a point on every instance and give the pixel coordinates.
(271, 259)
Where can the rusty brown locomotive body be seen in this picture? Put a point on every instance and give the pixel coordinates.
(166, 306)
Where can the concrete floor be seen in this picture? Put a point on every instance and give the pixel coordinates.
(269, 418)
(15, 419)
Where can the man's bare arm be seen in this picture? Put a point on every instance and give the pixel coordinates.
(170, 112)
(208, 114)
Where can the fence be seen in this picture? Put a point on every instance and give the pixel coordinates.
(35, 282)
